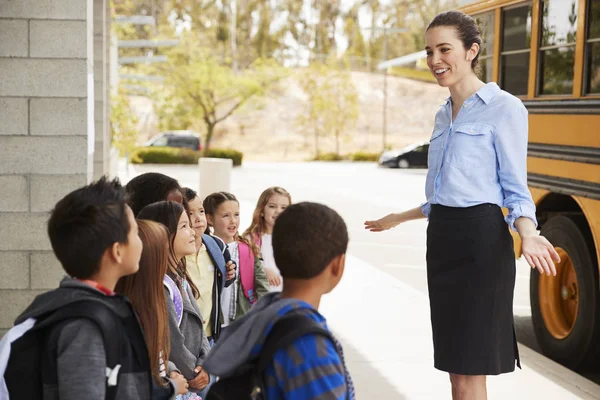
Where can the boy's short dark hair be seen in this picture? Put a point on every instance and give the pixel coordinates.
(149, 188)
(85, 223)
(306, 238)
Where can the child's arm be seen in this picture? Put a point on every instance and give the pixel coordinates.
(261, 282)
(81, 361)
(180, 355)
(310, 369)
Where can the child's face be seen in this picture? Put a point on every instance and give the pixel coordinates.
(132, 251)
(197, 216)
(185, 238)
(275, 206)
(226, 220)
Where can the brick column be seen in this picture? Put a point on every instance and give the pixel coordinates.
(45, 65)
(102, 144)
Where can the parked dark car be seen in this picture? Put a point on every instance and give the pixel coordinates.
(414, 155)
(182, 139)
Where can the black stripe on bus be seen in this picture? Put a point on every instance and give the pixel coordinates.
(565, 186)
(589, 155)
(584, 106)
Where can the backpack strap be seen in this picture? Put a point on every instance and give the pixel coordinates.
(284, 333)
(109, 326)
(216, 252)
(247, 271)
(175, 295)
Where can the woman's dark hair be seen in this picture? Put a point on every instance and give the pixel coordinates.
(85, 223)
(146, 293)
(168, 214)
(468, 31)
(149, 188)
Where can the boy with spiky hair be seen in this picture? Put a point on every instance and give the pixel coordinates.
(83, 340)
(309, 244)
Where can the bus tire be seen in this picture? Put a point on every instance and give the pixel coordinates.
(577, 344)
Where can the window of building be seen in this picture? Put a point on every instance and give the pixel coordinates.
(558, 33)
(592, 49)
(486, 53)
(515, 49)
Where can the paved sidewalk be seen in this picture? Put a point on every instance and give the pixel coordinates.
(384, 325)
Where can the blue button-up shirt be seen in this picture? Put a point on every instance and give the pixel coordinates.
(481, 157)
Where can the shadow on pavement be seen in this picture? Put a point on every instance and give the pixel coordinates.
(526, 336)
(369, 382)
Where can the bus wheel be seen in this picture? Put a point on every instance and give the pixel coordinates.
(565, 309)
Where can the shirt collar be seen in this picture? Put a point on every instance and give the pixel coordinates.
(486, 93)
(97, 286)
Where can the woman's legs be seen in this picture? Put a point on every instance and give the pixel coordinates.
(468, 387)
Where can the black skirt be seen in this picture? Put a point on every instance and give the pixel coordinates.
(471, 279)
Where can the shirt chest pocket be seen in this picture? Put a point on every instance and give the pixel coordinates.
(435, 147)
(471, 146)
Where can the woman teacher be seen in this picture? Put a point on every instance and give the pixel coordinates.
(477, 164)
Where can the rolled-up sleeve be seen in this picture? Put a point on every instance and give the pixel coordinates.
(426, 209)
(510, 142)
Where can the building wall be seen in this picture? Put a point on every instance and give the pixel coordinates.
(49, 71)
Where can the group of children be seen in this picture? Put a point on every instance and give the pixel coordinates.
(188, 296)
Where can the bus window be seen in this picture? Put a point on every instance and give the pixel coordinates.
(557, 46)
(514, 56)
(592, 69)
(486, 54)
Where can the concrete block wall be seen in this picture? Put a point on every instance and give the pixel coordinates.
(46, 68)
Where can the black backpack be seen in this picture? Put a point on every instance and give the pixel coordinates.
(247, 382)
(32, 361)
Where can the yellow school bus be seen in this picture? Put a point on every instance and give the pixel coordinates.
(547, 52)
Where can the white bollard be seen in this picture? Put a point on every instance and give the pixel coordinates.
(215, 175)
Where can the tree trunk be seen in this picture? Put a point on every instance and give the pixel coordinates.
(316, 142)
(210, 129)
(337, 143)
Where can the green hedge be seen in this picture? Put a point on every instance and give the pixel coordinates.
(365, 156)
(173, 155)
(328, 157)
(236, 156)
(358, 156)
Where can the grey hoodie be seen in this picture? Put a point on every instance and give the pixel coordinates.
(235, 346)
(81, 361)
(189, 344)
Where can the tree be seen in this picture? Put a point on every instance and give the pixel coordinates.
(332, 103)
(123, 124)
(341, 104)
(200, 90)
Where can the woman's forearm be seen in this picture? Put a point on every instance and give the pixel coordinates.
(409, 215)
(525, 227)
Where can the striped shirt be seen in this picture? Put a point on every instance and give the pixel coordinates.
(312, 367)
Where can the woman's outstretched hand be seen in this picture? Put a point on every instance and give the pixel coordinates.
(540, 254)
(383, 224)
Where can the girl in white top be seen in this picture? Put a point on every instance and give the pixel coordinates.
(270, 204)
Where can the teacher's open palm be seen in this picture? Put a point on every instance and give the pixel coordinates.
(540, 254)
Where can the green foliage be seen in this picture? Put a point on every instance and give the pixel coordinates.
(332, 105)
(173, 155)
(200, 91)
(123, 124)
(328, 157)
(411, 73)
(164, 155)
(364, 156)
(236, 156)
